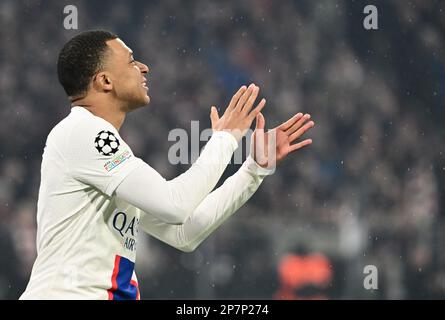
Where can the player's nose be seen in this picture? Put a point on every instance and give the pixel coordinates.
(143, 67)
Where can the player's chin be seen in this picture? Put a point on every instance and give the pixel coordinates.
(145, 97)
(145, 100)
(137, 103)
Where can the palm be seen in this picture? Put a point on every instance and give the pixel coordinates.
(283, 144)
(272, 147)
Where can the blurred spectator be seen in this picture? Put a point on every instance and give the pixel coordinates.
(303, 276)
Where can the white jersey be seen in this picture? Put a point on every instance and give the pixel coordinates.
(87, 236)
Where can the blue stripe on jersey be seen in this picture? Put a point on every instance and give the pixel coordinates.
(126, 289)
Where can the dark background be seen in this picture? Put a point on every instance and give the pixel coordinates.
(369, 191)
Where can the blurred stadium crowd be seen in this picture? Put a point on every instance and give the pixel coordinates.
(367, 192)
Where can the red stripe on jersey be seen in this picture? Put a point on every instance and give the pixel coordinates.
(114, 278)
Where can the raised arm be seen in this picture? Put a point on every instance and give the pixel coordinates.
(236, 190)
(175, 200)
(211, 213)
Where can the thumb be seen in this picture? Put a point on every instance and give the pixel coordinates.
(258, 142)
(260, 121)
(214, 116)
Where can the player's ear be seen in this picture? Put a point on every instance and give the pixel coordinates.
(102, 81)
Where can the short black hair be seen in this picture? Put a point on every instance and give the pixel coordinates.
(80, 59)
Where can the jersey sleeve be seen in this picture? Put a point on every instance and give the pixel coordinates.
(216, 208)
(173, 201)
(96, 155)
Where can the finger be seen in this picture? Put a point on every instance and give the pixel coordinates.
(257, 110)
(244, 97)
(258, 137)
(214, 117)
(299, 145)
(236, 97)
(250, 101)
(301, 131)
(298, 124)
(286, 125)
(260, 122)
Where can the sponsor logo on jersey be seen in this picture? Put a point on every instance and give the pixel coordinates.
(113, 163)
(127, 227)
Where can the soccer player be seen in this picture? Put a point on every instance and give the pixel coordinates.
(95, 194)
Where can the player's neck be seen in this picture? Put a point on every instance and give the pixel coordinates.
(109, 111)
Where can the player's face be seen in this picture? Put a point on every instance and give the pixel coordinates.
(127, 75)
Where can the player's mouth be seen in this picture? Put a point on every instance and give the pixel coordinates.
(144, 84)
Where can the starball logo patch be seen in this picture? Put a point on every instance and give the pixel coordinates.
(106, 143)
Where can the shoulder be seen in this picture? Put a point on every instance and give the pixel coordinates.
(78, 123)
(87, 125)
(83, 133)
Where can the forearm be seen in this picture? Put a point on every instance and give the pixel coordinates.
(212, 212)
(195, 184)
(173, 201)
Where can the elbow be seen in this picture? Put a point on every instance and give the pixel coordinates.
(184, 243)
(188, 248)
